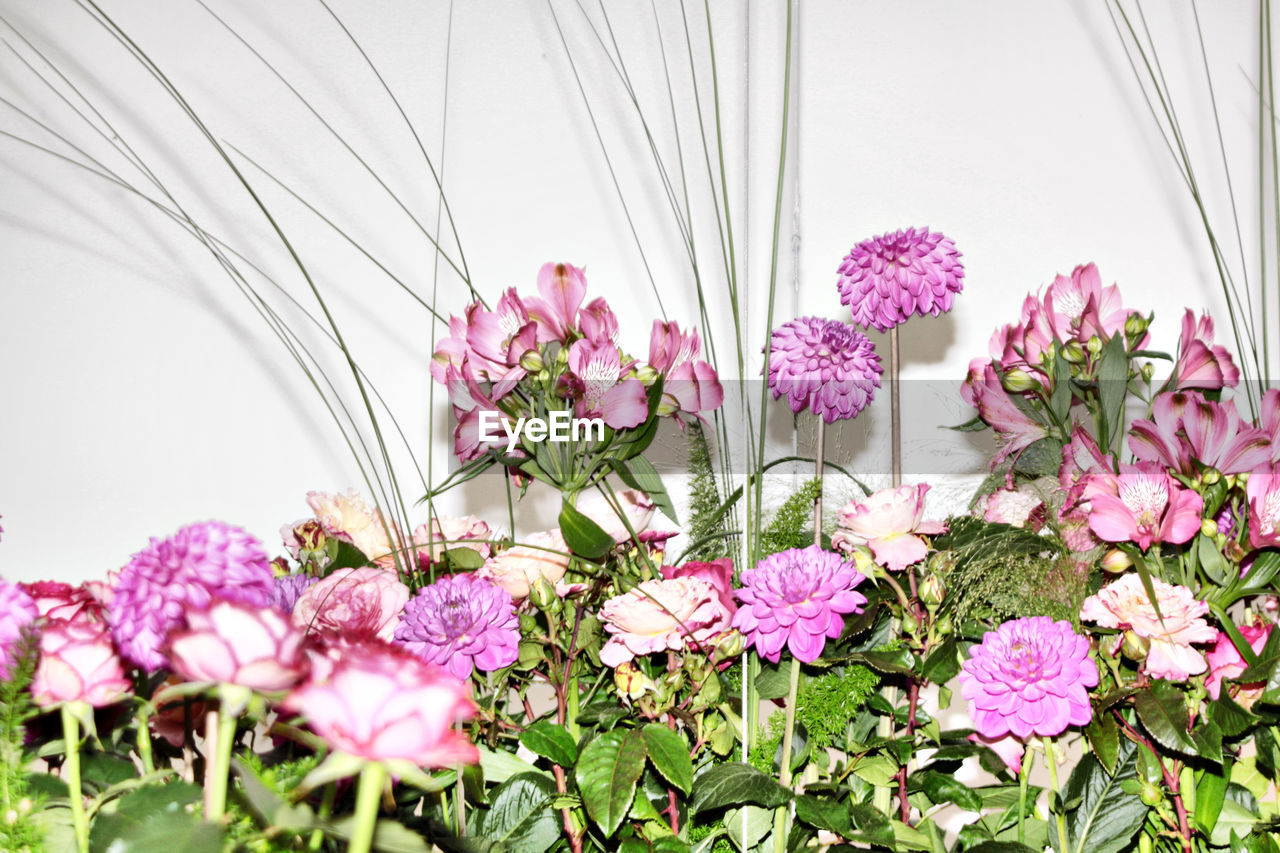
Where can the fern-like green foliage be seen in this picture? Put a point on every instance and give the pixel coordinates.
(280, 778)
(995, 571)
(706, 520)
(16, 708)
(792, 525)
(827, 703)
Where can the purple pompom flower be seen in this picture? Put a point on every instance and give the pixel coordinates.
(17, 611)
(888, 278)
(1029, 677)
(823, 365)
(198, 564)
(288, 589)
(797, 598)
(461, 622)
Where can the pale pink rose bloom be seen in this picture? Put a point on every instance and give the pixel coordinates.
(63, 602)
(1226, 662)
(352, 602)
(718, 573)
(889, 523)
(1014, 507)
(636, 506)
(1124, 604)
(230, 643)
(447, 532)
(382, 703)
(78, 663)
(660, 616)
(346, 516)
(542, 555)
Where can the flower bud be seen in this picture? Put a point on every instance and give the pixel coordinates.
(943, 626)
(1116, 561)
(1136, 325)
(630, 681)
(1209, 527)
(532, 361)
(1150, 795)
(932, 591)
(1018, 381)
(1148, 371)
(1210, 476)
(1094, 346)
(730, 645)
(1135, 648)
(647, 375)
(910, 624)
(1073, 352)
(280, 567)
(543, 595)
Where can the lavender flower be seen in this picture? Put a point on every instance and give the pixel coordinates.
(17, 612)
(1029, 677)
(823, 365)
(888, 278)
(288, 589)
(797, 598)
(461, 622)
(199, 563)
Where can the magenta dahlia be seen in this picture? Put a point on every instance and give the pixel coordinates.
(823, 365)
(797, 598)
(198, 564)
(1029, 677)
(461, 622)
(17, 612)
(888, 278)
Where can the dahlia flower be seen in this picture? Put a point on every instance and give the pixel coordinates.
(889, 523)
(289, 589)
(356, 603)
(888, 278)
(1125, 604)
(659, 616)
(797, 599)
(78, 664)
(1226, 662)
(461, 622)
(1142, 504)
(543, 555)
(718, 573)
(1202, 363)
(229, 643)
(823, 365)
(381, 703)
(17, 612)
(1028, 677)
(199, 563)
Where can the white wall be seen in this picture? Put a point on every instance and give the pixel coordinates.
(141, 392)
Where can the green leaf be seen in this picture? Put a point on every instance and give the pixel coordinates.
(99, 771)
(154, 819)
(1211, 791)
(466, 559)
(607, 772)
(974, 424)
(388, 836)
(1113, 387)
(773, 682)
(520, 817)
(1211, 560)
(1060, 399)
(669, 754)
(1104, 737)
(583, 536)
(270, 807)
(1232, 719)
(1234, 818)
(1208, 741)
(944, 788)
(1162, 708)
(604, 714)
(1107, 817)
(943, 664)
(1041, 458)
(759, 823)
(551, 741)
(1262, 570)
(1001, 847)
(641, 474)
(824, 813)
(733, 784)
(898, 662)
(501, 765)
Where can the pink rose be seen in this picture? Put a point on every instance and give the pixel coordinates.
(636, 506)
(1124, 604)
(718, 573)
(445, 533)
(353, 602)
(78, 664)
(889, 522)
(231, 643)
(1021, 507)
(62, 601)
(662, 615)
(348, 517)
(543, 555)
(1226, 662)
(382, 703)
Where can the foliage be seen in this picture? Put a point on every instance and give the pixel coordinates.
(23, 831)
(792, 523)
(706, 516)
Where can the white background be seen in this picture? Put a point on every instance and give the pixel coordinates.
(139, 391)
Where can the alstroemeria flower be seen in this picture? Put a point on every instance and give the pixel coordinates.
(689, 384)
(504, 335)
(1186, 428)
(890, 523)
(1014, 430)
(556, 311)
(1125, 604)
(605, 394)
(1142, 504)
(598, 322)
(1201, 363)
(1226, 663)
(1263, 492)
(1079, 307)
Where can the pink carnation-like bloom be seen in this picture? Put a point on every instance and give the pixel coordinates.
(57, 601)
(661, 615)
(797, 599)
(543, 555)
(1124, 604)
(17, 611)
(888, 278)
(823, 365)
(346, 516)
(447, 532)
(461, 622)
(199, 563)
(889, 523)
(381, 703)
(718, 573)
(230, 643)
(1142, 504)
(1226, 662)
(78, 663)
(355, 603)
(1029, 677)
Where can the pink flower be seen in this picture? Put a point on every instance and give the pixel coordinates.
(254, 647)
(502, 337)
(718, 573)
(461, 622)
(636, 507)
(797, 599)
(199, 563)
(556, 311)
(1015, 507)
(1080, 308)
(1015, 431)
(1029, 677)
(346, 516)
(17, 612)
(1225, 663)
(605, 393)
(823, 365)
(599, 323)
(1008, 748)
(1124, 604)
(78, 664)
(1263, 493)
(1186, 428)
(445, 533)
(57, 601)
(1201, 363)
(661, 615)
(543, 555)
(1142, 504)
(689, 384)
(888, 278)
(889, 523)
(355, 603)
(381, 703)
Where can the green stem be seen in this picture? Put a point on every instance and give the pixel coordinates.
(367, 795)
(1023, 773)
(326, 809)
(571, 706)
(784, 775)
(1053, 781)
(71, 775)
(220, 734)
(144, 740)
